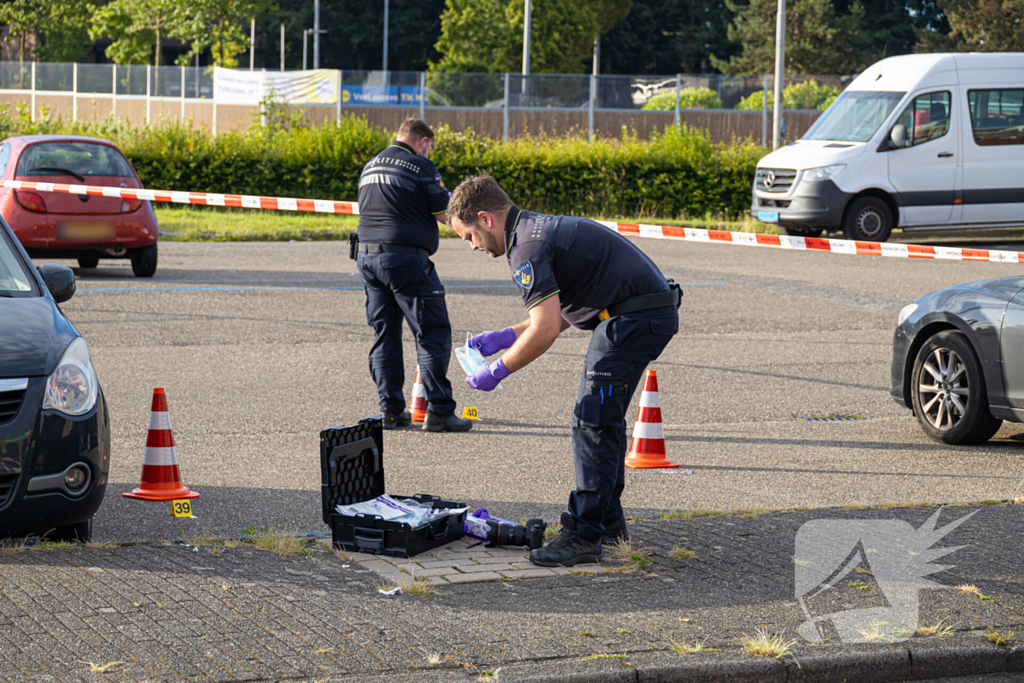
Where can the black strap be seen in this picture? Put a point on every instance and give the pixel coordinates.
(383, 248)
(646, 302)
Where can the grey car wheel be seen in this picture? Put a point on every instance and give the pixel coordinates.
(868, 219)
(948, 391)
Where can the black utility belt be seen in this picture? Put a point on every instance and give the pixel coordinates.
(382, 248)
(645, 302)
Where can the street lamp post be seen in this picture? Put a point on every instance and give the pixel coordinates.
(385, 67)
(316, 34)
(780, 65)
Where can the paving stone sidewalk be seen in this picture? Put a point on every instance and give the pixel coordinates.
(212, 612)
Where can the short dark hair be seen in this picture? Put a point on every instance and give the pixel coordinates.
(480, 193)
(413, 127)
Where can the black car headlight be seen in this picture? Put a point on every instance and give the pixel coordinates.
(72, 388)
(905, 313)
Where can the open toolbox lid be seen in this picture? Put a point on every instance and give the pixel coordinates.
(351, 464)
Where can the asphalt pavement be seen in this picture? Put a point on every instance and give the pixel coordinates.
(262, 345)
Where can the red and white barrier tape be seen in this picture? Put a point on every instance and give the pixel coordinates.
(850, 247)
(239, 201)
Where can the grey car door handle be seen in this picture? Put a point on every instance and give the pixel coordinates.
(943, 155)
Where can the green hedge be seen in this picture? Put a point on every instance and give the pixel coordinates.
(807, 95)
(676, 173)
(689, 98)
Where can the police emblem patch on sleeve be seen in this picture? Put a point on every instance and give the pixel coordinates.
(523, 275)
(440, 183)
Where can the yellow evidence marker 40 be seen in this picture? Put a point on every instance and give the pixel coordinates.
(469, 413)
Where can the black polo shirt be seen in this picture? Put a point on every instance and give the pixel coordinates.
(400, 193)
(589, 266)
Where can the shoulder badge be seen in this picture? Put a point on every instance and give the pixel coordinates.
(440, 183)
(523, 275)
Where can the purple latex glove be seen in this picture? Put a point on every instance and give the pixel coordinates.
(489, 376)
(490, 343)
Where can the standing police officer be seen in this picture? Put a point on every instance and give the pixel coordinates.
(401, 200)
(573, 271)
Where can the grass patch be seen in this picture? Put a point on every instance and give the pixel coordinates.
(413, 585)
(691, 514)
(102, 668)
(859, 585)
(1000, 639)
(751, 512)
(593, 657)
(681, 553)
(684, 649)
(940, 629)
(626, 550)
(552, 530)
(273, 541)
(764, 644)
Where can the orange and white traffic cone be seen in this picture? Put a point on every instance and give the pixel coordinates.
(160, 477)
(418, 406)
(647, 449)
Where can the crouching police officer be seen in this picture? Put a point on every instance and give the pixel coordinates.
(401, 200)
(573, 271)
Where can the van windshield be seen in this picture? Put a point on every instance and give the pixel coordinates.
(854, 116)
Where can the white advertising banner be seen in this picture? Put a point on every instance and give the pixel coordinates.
(314, 86)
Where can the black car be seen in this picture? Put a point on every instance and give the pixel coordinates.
(54, 430)
(958, 359)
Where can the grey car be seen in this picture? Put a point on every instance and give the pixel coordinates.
(958, 359)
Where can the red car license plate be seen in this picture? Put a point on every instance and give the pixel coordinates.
(86, 232)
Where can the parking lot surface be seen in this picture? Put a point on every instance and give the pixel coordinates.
(262, 345)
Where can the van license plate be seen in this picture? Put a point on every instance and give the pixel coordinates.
(86, 232)
(768, 216)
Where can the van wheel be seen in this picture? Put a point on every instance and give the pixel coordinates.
(801, 232)
(88, 262)
(869, 220)
(948, 391)
(144, 261)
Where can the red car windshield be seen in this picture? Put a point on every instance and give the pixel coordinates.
(79, 159)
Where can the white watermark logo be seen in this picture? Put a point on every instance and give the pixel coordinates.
(887, 552)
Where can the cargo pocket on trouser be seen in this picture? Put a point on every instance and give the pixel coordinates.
(598, 425)
(431, 308)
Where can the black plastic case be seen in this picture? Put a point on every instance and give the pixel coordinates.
(352, 465)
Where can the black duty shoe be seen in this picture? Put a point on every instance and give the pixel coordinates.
(568, 549)
(452, 423)
(615, 532)
(396, 420)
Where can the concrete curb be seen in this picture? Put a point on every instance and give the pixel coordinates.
(958, 655)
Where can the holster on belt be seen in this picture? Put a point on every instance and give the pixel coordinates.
(353, 245)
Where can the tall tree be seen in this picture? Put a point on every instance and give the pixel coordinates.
(667, 37)
(218, 25)
(891, 27)
(487, 35)
(59, 24)
(977, 26)
(138, 28)
(818, 39)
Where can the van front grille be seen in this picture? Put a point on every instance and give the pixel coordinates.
(10, 404)
(8, 484)
(774, 179)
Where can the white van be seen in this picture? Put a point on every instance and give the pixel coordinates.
(917, 141)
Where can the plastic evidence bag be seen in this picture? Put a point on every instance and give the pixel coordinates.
(471, 359)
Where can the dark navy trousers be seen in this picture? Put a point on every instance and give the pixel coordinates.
(406, 286)
(620, 350)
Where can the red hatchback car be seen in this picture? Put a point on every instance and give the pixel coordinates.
(89, 228)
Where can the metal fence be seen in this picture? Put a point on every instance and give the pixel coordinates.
(505, 92)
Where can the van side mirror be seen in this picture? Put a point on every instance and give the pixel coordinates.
(898, 137)
(60, 280)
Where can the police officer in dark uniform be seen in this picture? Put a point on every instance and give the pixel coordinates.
(401, 200)
(573, 271)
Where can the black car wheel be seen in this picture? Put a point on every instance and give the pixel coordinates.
(801, 232)
(948, 391)
(868, 219)
(88, 262)
(80, 532)
(144, 261)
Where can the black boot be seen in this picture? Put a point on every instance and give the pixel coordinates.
(452, 423)
(396, 420)
(615, 532)
(568, 549)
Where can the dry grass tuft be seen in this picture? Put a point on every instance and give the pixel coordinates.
(102, 668)
(681, 553)
(434, 659)
(939, 629)
(751, 512)
(684, 649)
(1000, 639)
(968, 588)
(552, 530)
(413, 585)
(626, 550)
(764, 644)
